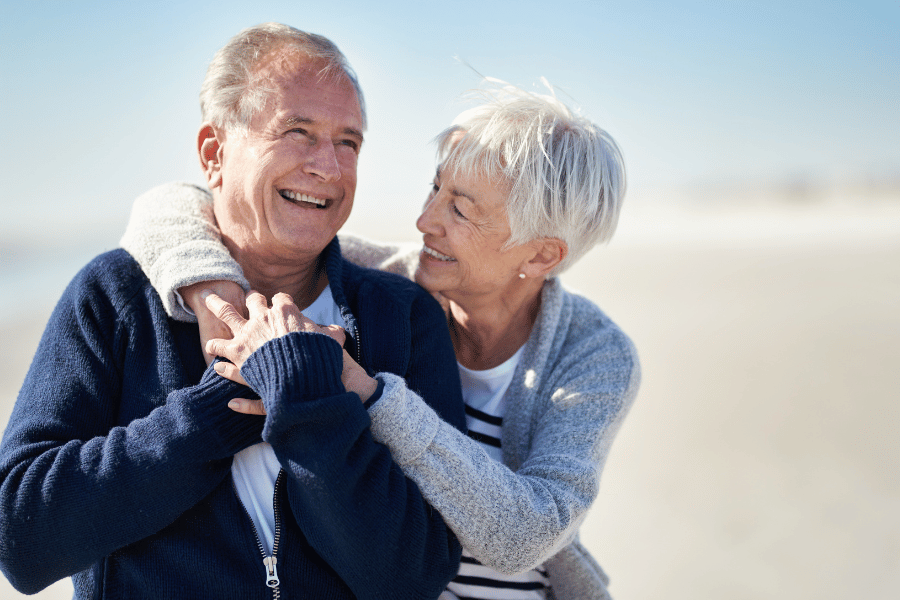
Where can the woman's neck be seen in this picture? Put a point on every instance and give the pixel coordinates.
(487, 334)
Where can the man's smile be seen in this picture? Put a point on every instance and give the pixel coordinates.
(300, 198)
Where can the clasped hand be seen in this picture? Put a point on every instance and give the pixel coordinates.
(265, 323)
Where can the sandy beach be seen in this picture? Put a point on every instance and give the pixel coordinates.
(761, 459)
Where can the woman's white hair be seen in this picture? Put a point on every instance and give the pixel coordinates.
(232, 93)
(566, 175)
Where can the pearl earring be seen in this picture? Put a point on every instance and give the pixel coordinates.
(521, 275)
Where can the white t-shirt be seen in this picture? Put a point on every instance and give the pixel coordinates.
(256, 468)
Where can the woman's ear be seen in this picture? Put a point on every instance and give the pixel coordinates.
(548, 253)
(209, 148)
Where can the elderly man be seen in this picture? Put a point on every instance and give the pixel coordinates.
(122, 465)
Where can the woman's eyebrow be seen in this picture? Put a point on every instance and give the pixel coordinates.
(458, 192)
(455, 191)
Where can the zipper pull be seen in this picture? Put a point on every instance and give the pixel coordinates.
(271, 572)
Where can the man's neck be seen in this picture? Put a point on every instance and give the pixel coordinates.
(302, 279)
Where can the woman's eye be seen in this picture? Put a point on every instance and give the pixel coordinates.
(456, 210)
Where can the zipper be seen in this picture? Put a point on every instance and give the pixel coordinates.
(269, 562)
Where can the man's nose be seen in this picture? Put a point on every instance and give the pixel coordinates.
(322, 161)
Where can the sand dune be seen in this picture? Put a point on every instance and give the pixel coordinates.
(761, 458)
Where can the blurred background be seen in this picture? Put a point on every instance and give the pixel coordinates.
(755, 266)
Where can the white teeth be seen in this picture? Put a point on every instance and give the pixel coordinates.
(437, 254)
(302, 198)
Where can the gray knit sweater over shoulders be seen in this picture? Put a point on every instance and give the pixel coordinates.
(577, 378)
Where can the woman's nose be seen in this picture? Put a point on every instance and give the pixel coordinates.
(427, 222)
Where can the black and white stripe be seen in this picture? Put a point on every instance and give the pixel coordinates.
(474, 580)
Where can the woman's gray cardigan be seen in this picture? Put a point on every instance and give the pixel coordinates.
(575, 381)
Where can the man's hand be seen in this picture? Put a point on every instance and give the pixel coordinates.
(264, 323)
(210, 326)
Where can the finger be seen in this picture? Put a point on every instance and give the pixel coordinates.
(281, 299)
(288, 315)
(225, 312)
(227, 349)
(256, 303)
(230, 371)
(210, 328)
(208, 333)
(248, 407)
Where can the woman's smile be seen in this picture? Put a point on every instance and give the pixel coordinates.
(435, 254)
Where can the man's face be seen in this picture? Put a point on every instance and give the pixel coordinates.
(287, 186)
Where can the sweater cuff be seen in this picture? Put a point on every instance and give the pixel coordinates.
(209, 261)
(298, 366)
(205, 409)
(376, 396)
(402, 420)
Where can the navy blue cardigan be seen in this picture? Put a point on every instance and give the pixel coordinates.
(115, 464)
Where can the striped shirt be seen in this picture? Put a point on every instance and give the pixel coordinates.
(483, 393)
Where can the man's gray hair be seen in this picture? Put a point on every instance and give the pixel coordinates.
(566, 175)
(231, 93)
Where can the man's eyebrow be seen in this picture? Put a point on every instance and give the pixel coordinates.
(291, 121)
(295, 120)
(354, 132)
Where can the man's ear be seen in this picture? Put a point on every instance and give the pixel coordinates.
(209, 146)
(548, 253)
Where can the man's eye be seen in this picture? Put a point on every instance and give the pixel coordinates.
(456, 210)
(350, 144)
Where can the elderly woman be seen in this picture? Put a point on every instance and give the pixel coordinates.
(524, 188)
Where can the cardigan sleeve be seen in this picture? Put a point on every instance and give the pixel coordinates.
(512, 520)
(344, 488)
(75, 485)
(172, 233)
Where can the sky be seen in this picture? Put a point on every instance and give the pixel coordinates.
(99, 99)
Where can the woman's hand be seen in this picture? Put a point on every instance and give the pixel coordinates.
(355, 379)
(210, 325)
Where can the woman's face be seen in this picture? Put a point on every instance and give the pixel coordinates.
(465, 226)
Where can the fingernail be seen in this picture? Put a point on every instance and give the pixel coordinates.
(234, 404)
(219, 367)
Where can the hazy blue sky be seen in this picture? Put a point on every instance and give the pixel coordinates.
(99, 99)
